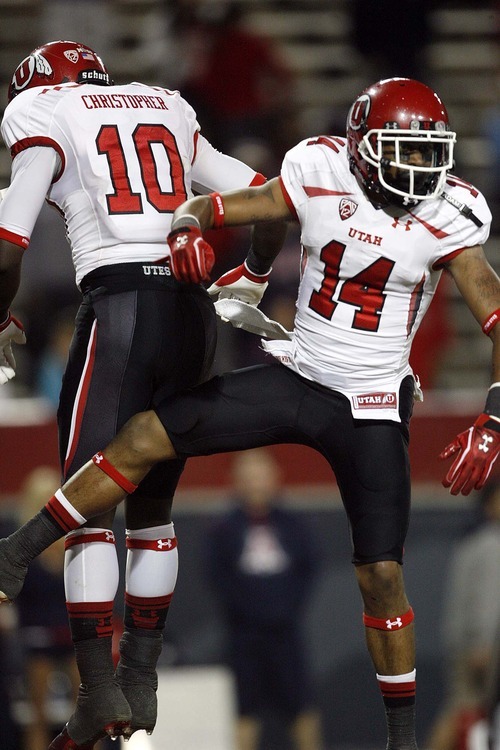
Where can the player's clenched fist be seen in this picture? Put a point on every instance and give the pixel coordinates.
(191, 257)
(11, 330)
(476, 451)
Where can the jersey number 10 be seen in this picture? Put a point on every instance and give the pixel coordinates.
(123, 200)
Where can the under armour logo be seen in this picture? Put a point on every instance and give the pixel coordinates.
(164, 543)
(182, 240)
(397, 623)
(406, 225)
(109, 536)
(98, 458)
(484, 445)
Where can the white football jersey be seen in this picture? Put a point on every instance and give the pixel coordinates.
(368, 275)
(122, 159)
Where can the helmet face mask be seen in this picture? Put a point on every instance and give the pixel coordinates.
(399, 142)
(58, 62)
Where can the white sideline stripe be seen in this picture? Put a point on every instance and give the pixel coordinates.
(79, 392)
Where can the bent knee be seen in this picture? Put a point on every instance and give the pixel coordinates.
(146, 437)
(381, 581)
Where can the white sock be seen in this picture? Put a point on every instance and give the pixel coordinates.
(91, 566)
(152, 561)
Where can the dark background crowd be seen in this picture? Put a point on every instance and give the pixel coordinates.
(263, 74)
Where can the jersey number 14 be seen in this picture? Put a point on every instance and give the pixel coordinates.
(365, 290)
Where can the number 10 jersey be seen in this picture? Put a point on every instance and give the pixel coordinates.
(127, 157)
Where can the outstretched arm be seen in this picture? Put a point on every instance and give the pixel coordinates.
(479, 285)
(477, 449)
(263, 206)
(250, 205)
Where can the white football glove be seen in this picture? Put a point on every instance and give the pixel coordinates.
(11, 330)
(242, 284)
(250, 318)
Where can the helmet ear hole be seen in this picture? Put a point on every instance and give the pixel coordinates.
(58, 62)
(409, 117)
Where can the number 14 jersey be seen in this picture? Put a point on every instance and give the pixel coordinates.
(368, 274)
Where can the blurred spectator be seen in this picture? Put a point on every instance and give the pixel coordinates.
(471, 624)
(9, 731)
(433, 338)
(493, 714)
(262, 566)
(491, 726)
(392, 37)
(50, 668)
(50, 672)
(52, 361)
(490, 129)
(89, 21)
(238, 82)
(47, 291)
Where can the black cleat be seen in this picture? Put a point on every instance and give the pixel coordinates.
(136, 675)
(101, 711)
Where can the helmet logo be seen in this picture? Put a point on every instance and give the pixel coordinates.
(71, 55)
(43, 67)
(27, 69)
(359, 112)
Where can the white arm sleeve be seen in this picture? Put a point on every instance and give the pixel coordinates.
(213, 170)
(32, 173)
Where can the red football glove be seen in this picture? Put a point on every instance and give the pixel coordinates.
(478, 448)
(191, 257)
(241, 283)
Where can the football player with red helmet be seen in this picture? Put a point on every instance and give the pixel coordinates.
(388, 123)
(381, 216)
(58, 62)
(116, 161)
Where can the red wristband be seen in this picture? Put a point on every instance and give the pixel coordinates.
(218, 208)
(491, 321)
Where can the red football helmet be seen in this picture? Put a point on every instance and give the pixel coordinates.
(399, 141)
(58, 62)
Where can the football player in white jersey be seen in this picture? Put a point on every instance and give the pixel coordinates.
(381, 217)
(116, 161)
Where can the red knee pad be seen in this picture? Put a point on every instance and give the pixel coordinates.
(104, 465)
(390, 624)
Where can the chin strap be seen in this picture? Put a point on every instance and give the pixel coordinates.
(463, 209)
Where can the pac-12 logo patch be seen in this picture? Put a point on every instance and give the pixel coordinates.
(72, 55)
(347, 208)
